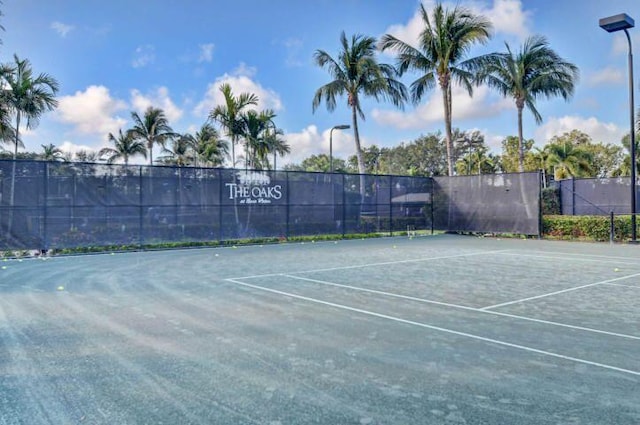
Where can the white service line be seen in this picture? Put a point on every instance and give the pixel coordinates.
(385, 263)
(437, 328)
(573, 257)
(560, 292)
(625, 286)
(464, 307)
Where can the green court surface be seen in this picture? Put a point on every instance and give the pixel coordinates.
(429, 330)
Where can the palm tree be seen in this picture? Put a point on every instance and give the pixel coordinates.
(355, 73)
(180, 153)
(229, 115)
(208, 146)
(27, 97)
(51, 152)
(153, 128)
(125, 146)
(568, 160)
(535, 71)
(444, 44)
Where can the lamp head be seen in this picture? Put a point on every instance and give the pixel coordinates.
(617, 22)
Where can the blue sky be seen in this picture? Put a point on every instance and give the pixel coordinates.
(118, 56)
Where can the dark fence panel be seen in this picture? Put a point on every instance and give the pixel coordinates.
(68, 205)
(596, 196)
(508, 203)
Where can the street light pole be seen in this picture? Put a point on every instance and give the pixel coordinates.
(335, 127)
(612, 24)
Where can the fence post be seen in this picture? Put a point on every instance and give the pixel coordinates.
(390, 205)
(140, 208)
(286, 235)
(611, 228)
(45, 241)
(573, 196)
(344, 208)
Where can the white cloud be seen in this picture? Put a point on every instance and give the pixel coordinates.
(481, 105)
(599, 131)
(92, 112)
(293, 47)
(61, 29)
(158, 99)
(311, 142)
(206, 52)
(507, 16)
(241, 81)
(143, 56)
(72, 148)
(608, 75)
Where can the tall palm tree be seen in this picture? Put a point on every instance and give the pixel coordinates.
(533, 72)
(208, 147)
(444, 44)
(51, 152)
(229, 115)
(153, 128)
(356, 73)
(125, 146)
(27, 97)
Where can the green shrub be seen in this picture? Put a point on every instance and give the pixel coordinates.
(551, 201)
(586, 227)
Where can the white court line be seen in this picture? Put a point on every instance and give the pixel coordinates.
(571, 257)
(559, 292)
(625, 286)
(463, 307)
(586, 256)
(437, 328)
(386, 263)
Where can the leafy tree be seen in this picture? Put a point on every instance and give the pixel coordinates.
(605, 159)
(229, 115)
(85, 156)
(125, 146)
(51, 152)
(444, 43)
(535, 71)
(209, 148)
(180, 152)
(318, 163)
(509, 160)
(356, 73)
(569, 160)
(25, 96)
(152, 128)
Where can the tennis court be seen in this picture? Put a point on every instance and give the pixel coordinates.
(429, 330)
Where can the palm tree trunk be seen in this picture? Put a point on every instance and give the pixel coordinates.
(446, 98)
(520, 141)
(359, 156)
(13, 176)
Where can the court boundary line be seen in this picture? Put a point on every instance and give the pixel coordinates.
(384, 263)
(468, 308)
(562, 291)
(624, 286)
(437, 328)
(576, 257)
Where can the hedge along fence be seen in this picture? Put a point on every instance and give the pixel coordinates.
(587, 227)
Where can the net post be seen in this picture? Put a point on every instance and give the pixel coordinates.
(611, 228)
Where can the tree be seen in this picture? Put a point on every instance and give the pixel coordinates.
(510, 155)
(229, 115)
(125, 146)
(152, 128)
(26, 97)
(569, 160)
(355, 73)
(209, 149)
(51, 152)
(318, 163)
(533, 72)
(444, 44)
(180, 153)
